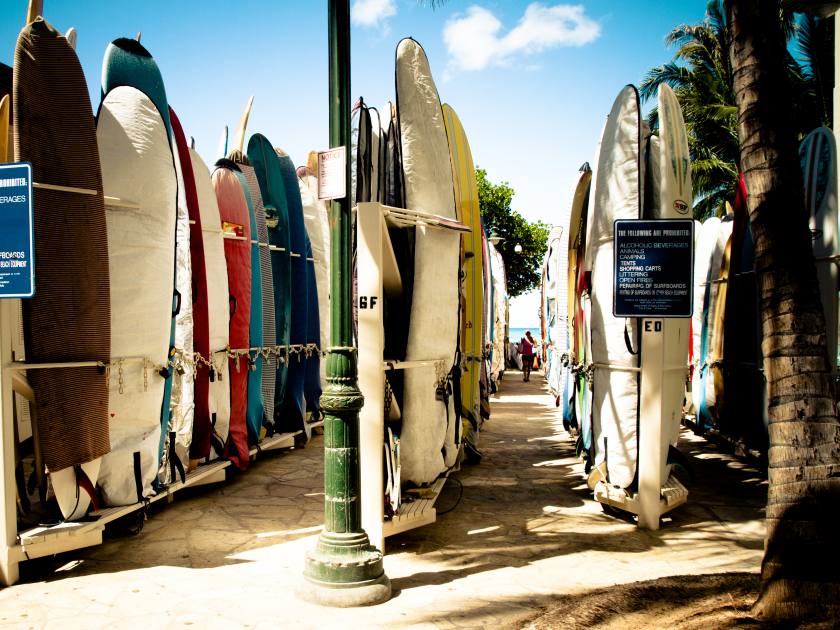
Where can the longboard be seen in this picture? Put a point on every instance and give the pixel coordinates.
(183, 403)
(128, 63)
(818, 156)
(294, 401)
(706, 237)
(211, 434)
(269, 176)
(68, 317)
(427, 442)
(133, 132)
(471, 321)
(573, 413)
(317, 221)
(261, 380)
(739, 384)
(672, 183)
(236, 226)
(255, 412)
(618, 195)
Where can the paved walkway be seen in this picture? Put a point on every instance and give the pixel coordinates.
(524, 533)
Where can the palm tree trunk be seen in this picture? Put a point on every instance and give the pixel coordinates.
(801, 567)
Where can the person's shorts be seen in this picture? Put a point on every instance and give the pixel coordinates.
(527, 357)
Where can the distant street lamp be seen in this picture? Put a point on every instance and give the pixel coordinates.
(517, 248)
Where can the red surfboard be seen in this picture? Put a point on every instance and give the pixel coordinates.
(233, 211)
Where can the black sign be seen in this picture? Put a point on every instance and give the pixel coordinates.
(653, 268)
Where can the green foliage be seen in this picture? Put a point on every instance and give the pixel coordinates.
(701, 76)
(523, 269)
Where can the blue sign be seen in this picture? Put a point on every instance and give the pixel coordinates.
(17, 268)
(653, 268)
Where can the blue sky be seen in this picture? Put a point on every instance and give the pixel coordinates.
(531, 81)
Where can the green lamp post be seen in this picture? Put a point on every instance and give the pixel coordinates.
(343, 569)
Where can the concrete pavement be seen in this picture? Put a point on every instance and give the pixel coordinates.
(523, 530)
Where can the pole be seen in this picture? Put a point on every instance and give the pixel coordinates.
(344, 569)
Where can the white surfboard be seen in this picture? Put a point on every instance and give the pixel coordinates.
(674, 201)
(182, 402)
(317, 221)
(218, 304)
(433, 330)
(137, 166)
(618, 195)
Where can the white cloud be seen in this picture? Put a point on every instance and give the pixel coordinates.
(474, 40)
(373, 13)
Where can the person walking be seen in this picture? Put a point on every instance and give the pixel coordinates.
(526, 348)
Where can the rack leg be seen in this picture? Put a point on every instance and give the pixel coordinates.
(9, 573)
(650, 431)
(371, 338)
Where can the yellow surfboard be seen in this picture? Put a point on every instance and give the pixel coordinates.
(472, 293)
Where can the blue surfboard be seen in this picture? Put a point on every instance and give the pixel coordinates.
(294, 402)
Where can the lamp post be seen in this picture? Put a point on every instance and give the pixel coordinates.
(344, 569)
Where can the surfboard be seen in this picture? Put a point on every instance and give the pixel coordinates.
(137, 166)
(267, 168)
(128, 63)
(236, 226)
(497, 265)
(489, 314)
(362, 168)
(263, 334)
(312, 376)
(576, 245)
(211, 433)
(618, 195)
(393, 192)
(672, 181)
(818, 156)
(294, 401)
(183, 403)
(472, 313)
(255, 410)
(740, 389)
(713, 321)
(70, 36)
(317, 222)
(706, 238)
(426, 441)
(484, 378)
(552, 326)
(68, 317)
(198, 295)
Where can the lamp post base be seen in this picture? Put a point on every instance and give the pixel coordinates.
(344, 571)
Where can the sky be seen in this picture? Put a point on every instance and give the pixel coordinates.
(532, 82)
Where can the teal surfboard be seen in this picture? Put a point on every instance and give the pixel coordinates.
(270, 177)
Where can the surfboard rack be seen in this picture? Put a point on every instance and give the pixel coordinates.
(19, 546)
(113, 202)
(378, 276)
(652, 499)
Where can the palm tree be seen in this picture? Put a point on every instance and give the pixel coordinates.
(800, 570)
(701, 75)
